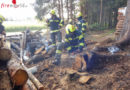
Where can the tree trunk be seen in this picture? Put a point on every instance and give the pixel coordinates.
(62, 11)
(59, 8)
(67, 5)
(18, 75)
(124, 38)
(101, 12)
(71, 9)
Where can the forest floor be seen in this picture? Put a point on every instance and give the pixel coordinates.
(114, 73)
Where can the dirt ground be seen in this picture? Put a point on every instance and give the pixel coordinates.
(113, 72)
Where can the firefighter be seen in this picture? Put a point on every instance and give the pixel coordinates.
(81, 26)
(2, 29)
(55, 25)
(73, 38)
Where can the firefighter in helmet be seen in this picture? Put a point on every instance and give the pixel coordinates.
(55, 24)
(73, 38)
(82, 27)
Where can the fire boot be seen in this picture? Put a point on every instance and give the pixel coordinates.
(57, 59)
(56, 62)
(58, 53)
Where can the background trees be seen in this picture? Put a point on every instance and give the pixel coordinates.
(100, 14)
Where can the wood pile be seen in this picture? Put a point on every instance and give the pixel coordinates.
(120, 18)
(31, 46)
(13, 74)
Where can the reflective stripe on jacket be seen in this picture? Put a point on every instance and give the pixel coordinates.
(55, 23)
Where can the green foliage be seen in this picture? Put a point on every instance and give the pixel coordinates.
(43, 7)
(22, 28)
(92, 9)
(97, 26)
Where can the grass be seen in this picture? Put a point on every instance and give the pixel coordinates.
(23, 28)
(98, 35)
(19, 26)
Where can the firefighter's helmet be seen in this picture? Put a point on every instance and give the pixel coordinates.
(79, 14)
(52, 12)
(70, 28)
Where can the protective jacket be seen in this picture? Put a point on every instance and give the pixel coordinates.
(55, 23)
(73, 41)
(81, 25)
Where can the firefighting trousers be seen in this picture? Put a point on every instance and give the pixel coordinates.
(56, 35)
(58, 52)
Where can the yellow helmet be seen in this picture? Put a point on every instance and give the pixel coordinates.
(52, 12)
(2, 19)
(79, 15)
(70, 28)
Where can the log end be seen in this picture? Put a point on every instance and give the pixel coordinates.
(20, 77)
(41, 88)
(5, 54)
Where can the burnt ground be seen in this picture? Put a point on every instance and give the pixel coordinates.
(113, 72)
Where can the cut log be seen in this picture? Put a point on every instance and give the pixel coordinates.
(18, 75)
(5, 54)
(5, 81)
(79, 64)
(26, 87)
(120, 17)
(84, 79)
(33, 69)
(119, 26)
(38, 51)
(31, 85)
(36, 82)
(124, 38)
(35, 59)
(15, 46)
